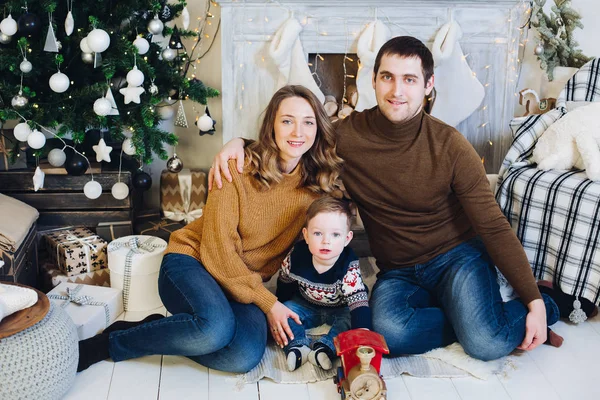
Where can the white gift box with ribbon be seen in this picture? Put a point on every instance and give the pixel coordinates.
(134, 262)
(92, 308)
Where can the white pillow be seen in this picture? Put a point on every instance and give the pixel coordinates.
(571, 105)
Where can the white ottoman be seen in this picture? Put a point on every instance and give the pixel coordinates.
(40, 362)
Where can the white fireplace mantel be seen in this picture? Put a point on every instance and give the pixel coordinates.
(490, 38)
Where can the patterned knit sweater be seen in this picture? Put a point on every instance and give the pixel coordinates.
(245, 233)
(341, 285)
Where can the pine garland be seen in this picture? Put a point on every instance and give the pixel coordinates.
(556, 36)
(71, 112)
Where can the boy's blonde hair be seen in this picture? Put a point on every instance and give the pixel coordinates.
(328, 204)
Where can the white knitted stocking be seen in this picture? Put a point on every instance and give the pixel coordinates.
(368, 45)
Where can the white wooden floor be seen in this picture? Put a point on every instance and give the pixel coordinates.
(571, 372)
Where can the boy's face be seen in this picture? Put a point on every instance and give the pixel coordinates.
(326, 235)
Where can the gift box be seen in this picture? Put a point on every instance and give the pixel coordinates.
(52, 277)
(150, 223)
(183, 194)
(92, 308)
(110, 231)
(76, 251)
(134, 263)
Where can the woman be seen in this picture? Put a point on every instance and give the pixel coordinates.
(211, 278)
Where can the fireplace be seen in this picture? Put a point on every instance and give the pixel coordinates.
(491, 39)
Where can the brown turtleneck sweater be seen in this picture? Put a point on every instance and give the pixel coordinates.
(245, 233)
(421, 190)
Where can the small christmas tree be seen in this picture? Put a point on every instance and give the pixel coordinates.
(557, 46)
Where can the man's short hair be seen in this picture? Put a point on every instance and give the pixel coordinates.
(407, 47)
(328, 204)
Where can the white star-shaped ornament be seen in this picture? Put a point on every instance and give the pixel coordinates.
(102, 151)
(132, 93)
(38, 179)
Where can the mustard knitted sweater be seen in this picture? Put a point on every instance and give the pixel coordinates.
(245, 233)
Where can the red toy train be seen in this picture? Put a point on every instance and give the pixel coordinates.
(358, 378)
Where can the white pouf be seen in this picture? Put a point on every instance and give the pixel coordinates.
(40, 362)
(134, 262)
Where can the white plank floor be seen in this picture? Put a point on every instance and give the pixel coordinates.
(570, 372)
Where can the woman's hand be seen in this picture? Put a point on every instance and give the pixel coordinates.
(278, 323)
(536, 329)
(234, 149)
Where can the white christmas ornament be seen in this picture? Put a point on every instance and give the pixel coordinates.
(22, 131)
(155, 26)
(166, 112)
(113, 105)
(38, 179)
(120, 190)
(367, 47)
(69, 23)
(98, 40)
(142, 45)
(168, 54)
(286, 50)
(102, 151)
(25, 66)
(36, 139)
(205, 123)
(57, 157)
(8, 26)
(185, 18)
(51, 44)
(132, 94)
(4, 38)
(102, 106)
(84, 46)
(92, 190)
(59, 82)
(135, 77)
(128, 147)
(453, 76)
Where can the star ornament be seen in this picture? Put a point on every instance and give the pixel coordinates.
(132, 94)
(38, 179)
(102, 151)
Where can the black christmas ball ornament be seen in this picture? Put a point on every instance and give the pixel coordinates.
(76, 164)
(142, 180)
(29, 24)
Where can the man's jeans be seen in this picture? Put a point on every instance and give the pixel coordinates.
(454, 296)
(313, 316)
(205, 326)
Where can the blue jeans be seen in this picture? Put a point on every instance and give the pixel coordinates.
(205, 326)
(313, 316)
(454, 296)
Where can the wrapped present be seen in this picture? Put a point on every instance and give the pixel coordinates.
(52, 277)
(76, 251)
(110, 231)
(92, 308)
(134, 263)
(159, 227)
(183, 194)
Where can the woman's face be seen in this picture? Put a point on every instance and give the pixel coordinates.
(295, 130)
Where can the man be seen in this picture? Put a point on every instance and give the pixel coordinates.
(433, 224)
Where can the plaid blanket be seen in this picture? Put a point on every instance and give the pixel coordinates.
(555, 214)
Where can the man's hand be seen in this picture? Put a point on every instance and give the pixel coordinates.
(536, 328)
(234, 149)
(278, 323)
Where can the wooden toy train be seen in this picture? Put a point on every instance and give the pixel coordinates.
(358, 378)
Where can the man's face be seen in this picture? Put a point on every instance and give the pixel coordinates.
(400, 87)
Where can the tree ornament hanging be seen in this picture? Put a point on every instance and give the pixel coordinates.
(19, 101)
(141, 180)
(128, 147)
(29, 24)
(135, 77)
(539, 49)
(168, 54)
(59, 82)
(181, 119)
(38, 179)
(153, 89)
(4, 38)
(206, 124)
(25, 66)
(165, 13)
(98, 40)
(51, 44)
(69, 23)
(57, 157)
(76, 164)
(174, 164)
(87, 58)
(8, 26)
(92, 190)
(175, 40)
(155, 26)
(120, 191)
(102, 151)
(22, 131)
(36, 139)
(102, 106)
(185, 18)
(84, 46)
(132, 94)
(142, 45)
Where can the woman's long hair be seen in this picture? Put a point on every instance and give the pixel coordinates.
(320, 166)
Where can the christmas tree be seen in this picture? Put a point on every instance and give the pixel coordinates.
(96, 64)
(557, 46)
